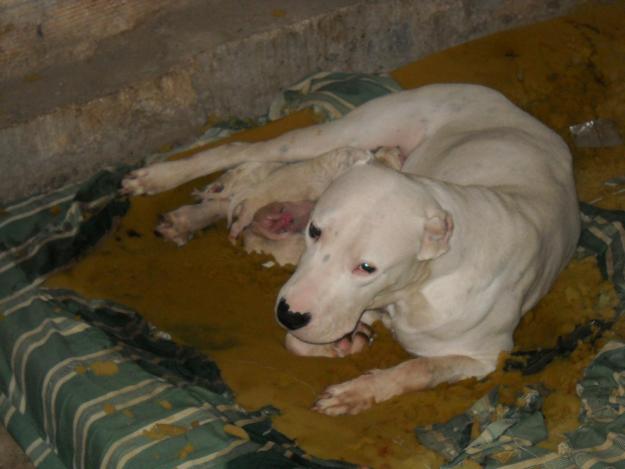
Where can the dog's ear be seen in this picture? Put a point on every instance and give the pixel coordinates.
(437, 230)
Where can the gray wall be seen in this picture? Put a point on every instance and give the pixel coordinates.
(81, 88)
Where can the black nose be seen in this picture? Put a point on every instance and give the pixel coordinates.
(290, 319)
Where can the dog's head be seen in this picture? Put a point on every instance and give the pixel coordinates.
(367, 235)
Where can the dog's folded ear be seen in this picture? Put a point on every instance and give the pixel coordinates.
(437, 230)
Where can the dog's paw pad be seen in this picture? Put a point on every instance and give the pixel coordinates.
(350, 397)
(132, 183)
(149, 180)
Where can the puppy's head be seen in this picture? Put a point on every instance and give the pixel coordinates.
(367, 235)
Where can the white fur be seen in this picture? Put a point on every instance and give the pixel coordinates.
(466, 238)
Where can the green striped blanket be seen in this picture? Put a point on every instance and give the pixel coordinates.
(88, 383)
(509, 434)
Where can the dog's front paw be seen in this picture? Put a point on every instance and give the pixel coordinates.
(173, 227)
(149, 180)
(350, 397)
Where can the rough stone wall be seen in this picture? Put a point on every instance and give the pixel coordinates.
(39, 33)
(150, 73)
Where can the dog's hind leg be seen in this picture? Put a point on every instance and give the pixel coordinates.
(382, 122)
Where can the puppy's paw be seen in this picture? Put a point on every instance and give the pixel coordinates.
(149, 180)
(350, 397)
(213, 191)
(173, 227)
(356, 342)
(244, 217)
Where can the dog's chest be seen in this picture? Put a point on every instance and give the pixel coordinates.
(416, 334)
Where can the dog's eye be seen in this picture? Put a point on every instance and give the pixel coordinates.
(314, 232)
(365, 268)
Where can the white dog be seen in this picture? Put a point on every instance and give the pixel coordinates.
(449, 232)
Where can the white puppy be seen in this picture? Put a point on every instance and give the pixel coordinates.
(449, 253)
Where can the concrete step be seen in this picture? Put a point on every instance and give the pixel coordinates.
(11, 455)
(113, 94)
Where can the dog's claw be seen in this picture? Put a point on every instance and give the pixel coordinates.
(149, 180)
(131, 184)
(350, 397)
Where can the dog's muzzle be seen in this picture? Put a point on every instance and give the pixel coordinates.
(291, 319)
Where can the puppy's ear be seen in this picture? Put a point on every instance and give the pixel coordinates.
(436, 233)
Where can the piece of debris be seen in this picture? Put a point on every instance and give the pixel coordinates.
(158, 334)
(104, 368)
(165, 405)
(109, 408)
(161, 431)
(268, 264)
(596, 133)
(617, 181)
(185, 451)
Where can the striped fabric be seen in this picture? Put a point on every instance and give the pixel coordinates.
(331, 94)
(599, 441)
(87, 383)
(77, 396)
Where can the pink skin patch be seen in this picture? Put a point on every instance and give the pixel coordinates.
(278, 220)
(216, 188)
(402, 159)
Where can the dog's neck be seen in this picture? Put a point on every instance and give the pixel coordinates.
(407, 285)
(405, 293)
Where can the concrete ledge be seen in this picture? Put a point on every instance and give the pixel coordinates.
(11, 455)
(162, 80)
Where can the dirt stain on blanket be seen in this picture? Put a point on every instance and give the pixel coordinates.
(106, 368)
(215, 297)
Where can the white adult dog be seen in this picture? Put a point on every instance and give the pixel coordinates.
(449, 233)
